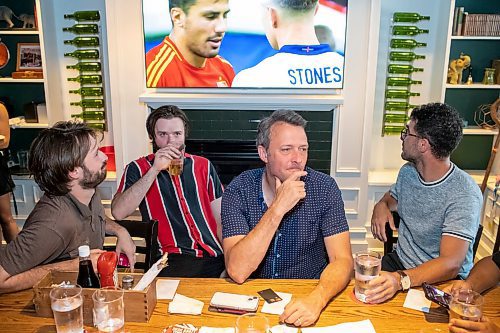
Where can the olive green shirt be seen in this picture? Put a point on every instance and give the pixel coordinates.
(53, 231)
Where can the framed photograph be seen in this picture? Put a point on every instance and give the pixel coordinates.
(29, 57)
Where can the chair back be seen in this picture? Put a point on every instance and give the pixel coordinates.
(148, 230)
(391, 239)
(477, 240)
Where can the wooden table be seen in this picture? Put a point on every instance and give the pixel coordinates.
(17, 312)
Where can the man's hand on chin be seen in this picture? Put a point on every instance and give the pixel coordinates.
(383, 287)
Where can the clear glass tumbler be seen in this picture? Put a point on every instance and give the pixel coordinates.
(252, 323)
(66, 303)
(109, 314)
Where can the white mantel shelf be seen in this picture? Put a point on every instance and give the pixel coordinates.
(244, 99)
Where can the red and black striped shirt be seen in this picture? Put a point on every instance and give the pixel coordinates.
(181, 204)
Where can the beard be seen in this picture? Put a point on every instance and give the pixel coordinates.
(92, 180)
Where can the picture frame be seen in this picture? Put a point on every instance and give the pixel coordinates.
(29, 57)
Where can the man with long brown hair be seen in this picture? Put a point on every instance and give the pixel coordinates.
(66, 163)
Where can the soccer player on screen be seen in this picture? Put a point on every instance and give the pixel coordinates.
(302, 62)
(188, 57)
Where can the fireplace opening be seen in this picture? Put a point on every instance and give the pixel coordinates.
(230, 157)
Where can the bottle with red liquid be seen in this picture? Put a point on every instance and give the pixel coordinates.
(106, 266)
(86, 275)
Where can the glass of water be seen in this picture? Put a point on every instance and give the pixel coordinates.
(66, 303)
(252, 323)
(466, 305)
(367, 267)
(109, 314)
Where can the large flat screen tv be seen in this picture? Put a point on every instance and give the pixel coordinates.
(245, 43)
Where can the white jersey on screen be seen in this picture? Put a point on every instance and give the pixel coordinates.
(296, 66)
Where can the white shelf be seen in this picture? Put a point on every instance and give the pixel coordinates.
(476, 130)
(472, 86)
(475, 37)
(29, 125)
(19, 32)
(11, 80)
(387, 177)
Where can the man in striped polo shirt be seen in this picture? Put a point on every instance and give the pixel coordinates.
(187, 206)
(189, 56)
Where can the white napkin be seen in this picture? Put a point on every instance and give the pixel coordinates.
(364, 326)
(415, 299)
(205, 329)
(284, 328)
(165, 289)
(185, 305)
(277, 307)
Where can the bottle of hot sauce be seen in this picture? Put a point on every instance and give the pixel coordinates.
(106, 266)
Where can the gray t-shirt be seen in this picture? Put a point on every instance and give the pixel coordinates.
(54, 230)
(449, 206)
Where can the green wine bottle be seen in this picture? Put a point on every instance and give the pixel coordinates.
(83, 54)
(89, 103)
(86, 66)
(96, 126)
(88, 91)
(90, 115)
(82, 29)
(398, 43)
(86, 79)
(397, 93)
(398, 106)
(85, 15)
(83, 41)
(393, 129)
(408, 30)
(401, 81)
(395, 118)
(409, 17)
(404, 69)
(405, 56)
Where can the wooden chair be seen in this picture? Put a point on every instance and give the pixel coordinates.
(148, 230)
(389, 246)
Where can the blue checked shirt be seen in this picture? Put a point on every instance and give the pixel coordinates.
(297, 250)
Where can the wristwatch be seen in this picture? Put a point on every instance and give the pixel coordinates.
(404, 280)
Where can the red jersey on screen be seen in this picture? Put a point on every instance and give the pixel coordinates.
(166, 67)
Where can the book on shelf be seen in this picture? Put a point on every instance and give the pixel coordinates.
(467, 24)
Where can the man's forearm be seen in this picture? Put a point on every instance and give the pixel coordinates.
(391, 203)
(113, 228)
(484, 275)
(126, 203)
(26, 280)
(434, 271)
(246, 255)
(334, 279)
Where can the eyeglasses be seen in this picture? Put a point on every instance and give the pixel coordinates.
(405, 132)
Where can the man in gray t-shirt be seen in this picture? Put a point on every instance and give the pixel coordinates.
(67, 165)
(438, 203)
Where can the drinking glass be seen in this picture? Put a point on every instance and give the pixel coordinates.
(177, 165)
(109, 315)
(252, 323)
(66, 303)
(466, 305)
(366, 267)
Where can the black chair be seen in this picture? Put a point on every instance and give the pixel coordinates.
(148, 230)
(392, 240)
(390, 245)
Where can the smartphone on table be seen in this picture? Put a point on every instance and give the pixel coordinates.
(233, 303)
